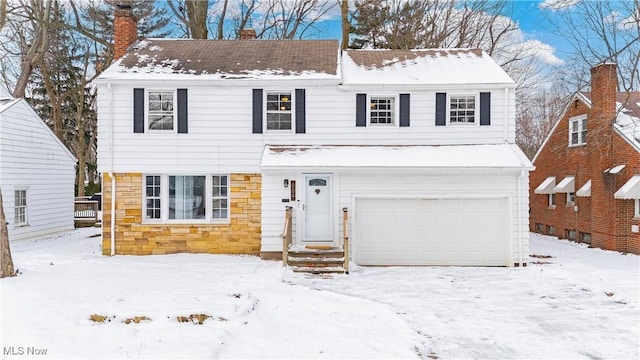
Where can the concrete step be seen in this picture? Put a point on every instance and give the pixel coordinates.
(315, 270)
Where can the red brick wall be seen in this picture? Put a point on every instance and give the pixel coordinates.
(559, 160)
(125, 31)
(607, 219)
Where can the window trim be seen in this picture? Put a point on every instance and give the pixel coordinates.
(208, 199)
(17, 224)
(476, 110)
(570, 198)
(227, 198)
(265, 94)
(396, 109)
(174, 130)
(144, 199)
(580, 120)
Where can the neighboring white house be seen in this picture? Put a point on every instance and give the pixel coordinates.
(205, 143)
(37, 173)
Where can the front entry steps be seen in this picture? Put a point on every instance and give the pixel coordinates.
(325, 260)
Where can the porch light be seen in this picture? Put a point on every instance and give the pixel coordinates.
(286, 182)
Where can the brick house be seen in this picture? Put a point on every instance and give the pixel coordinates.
(586, 185)
(209, 145)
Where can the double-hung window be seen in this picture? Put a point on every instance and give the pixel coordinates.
(578, 130)
(279, 113)
(160, 110)
(219, 197)
(186, 198)
(153, 197)
(462, 109)
(637, 212)
(382, 110)
(552, 200)
(20, 207)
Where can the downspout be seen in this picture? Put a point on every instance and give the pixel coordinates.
(522, 172)
(506, 115)
(111, 174)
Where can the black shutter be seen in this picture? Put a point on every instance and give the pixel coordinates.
(441, 109)
(300, 111)
(361, 109)
(485, 108)
(138, 110)
(405, 101)
(183, 124)
(257, 111)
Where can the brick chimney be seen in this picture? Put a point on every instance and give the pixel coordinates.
(247, 34)
(604, 86)
(125, 29)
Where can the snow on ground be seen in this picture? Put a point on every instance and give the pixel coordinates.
(579, 303)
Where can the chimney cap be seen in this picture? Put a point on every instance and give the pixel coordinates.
(123, 6)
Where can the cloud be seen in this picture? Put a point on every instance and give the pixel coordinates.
(556, 5)
(630, 23)
(543, 51)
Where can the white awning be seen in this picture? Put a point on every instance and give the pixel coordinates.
(615, 170)
(585, 190)
(547, 186)
(630, 190)
(567, 185)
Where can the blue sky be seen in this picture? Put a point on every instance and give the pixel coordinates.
(528, 13)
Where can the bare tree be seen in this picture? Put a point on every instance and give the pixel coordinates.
(291, 19)
(346, 25)
(536, 115)
(38, 14)
(600, 31)
(3, 13)
(221, 18)
(6, 261)
(193, 15)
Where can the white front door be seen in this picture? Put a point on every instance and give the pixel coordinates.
(317, 208)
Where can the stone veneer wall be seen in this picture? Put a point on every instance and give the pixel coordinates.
(240, 236)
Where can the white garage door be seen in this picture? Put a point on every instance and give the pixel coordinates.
(431, 232)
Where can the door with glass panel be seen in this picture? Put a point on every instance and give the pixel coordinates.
(317, 224)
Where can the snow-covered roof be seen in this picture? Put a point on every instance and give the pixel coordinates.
(627, 122)
(428, 66)
(414, 156)
(227, 59)
(303, 59)
(7, 102)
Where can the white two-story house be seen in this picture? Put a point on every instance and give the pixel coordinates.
(203, 144)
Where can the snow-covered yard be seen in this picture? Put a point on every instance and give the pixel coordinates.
(579, 303)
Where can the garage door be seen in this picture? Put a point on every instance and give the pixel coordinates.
(431, 232)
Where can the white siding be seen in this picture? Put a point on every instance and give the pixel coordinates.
(459, 184)
(32, 158)
(220, 138)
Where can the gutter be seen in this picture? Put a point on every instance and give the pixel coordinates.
(111, 175)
